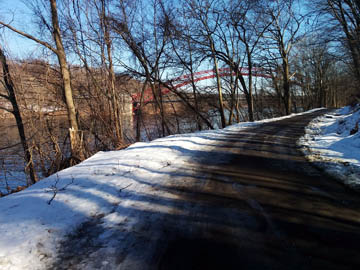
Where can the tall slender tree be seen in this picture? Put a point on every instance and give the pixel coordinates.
(207, 19)
(11, 97)
(77, 149)
(282, 35)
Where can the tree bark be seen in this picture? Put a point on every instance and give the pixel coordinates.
(75, 136)
(16, 112)
(286, 86)
(218, 84)
(114, 97)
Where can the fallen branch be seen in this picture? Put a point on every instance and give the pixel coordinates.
(56, 190)
(125, 187)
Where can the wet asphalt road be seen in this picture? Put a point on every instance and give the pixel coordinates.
(253, 202)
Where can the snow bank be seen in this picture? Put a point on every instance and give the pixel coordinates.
(332, 142)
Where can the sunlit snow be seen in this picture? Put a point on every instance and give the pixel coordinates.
(332, 142)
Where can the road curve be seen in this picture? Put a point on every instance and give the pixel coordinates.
(253, 202)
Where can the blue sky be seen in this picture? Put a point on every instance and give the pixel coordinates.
(15, 45)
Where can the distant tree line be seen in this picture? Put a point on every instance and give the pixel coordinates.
(308, 52)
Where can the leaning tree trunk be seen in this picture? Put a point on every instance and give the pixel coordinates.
(248, 94)
(77, 149)
(16, 112)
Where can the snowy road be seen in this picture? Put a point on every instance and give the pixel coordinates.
(249, 200)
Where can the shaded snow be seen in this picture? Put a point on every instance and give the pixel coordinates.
(332, 143)
(34, 222)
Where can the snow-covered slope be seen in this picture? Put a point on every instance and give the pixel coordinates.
(332, 142)
(34, 222)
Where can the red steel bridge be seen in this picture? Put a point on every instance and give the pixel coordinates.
(186, 79)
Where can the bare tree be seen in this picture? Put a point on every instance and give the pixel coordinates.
(11, 97)
(207, 20)
(319, 75)
(282, 35)
(240, 39)
(105, 25)
(91, 38)
(74, 131)
(187, 58)
(340, 19)
(146, 35)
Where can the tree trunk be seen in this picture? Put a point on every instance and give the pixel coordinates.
(218, 82)
(196, 103)
(77, 150)
(250, 98)
(248, 95)
(286, 87)
(138, 112)
(114, 97)
(16, 112)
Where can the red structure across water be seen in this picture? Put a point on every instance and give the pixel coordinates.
(198, 76)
